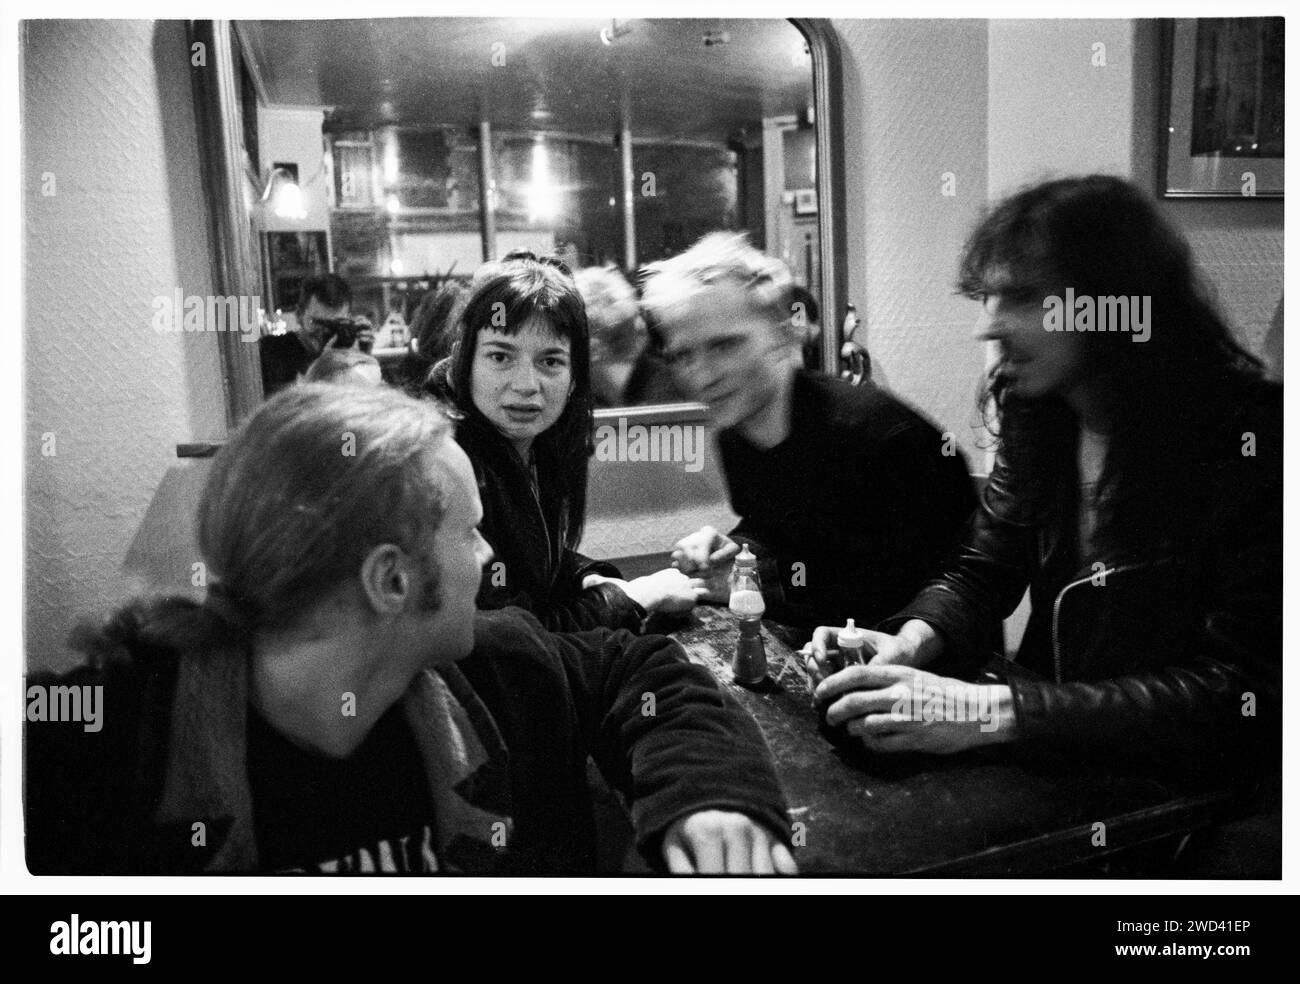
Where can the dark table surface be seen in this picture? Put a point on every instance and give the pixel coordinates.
(976, 813)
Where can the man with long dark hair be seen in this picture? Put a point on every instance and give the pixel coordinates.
(1137, 493)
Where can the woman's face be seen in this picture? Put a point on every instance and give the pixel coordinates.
(521, 382)
(1035, 361)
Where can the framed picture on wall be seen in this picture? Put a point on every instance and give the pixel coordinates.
(1222, 101)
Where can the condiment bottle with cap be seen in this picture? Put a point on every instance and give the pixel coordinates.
(749, 665)
(852, 643)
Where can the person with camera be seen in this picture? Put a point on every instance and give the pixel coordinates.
(324, 305)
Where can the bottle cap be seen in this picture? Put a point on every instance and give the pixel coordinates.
(745, 559)
(851, 635)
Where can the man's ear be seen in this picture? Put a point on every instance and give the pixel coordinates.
(387, 579)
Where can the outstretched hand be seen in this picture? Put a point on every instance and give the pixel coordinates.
(718, 842)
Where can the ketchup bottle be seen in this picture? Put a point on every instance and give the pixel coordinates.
(749, 665)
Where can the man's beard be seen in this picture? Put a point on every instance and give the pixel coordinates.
(431, 597)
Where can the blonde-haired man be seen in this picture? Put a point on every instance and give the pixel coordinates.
(849, 497)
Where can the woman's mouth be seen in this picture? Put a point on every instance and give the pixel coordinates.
(523, 414)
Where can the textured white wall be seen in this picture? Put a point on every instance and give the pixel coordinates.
(915, 108)
(1052, 112)
(1239, 246)
(107, 110)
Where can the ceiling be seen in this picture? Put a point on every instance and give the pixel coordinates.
(549, 75)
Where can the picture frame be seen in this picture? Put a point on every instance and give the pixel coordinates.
(1221, 114)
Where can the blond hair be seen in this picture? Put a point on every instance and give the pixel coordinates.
(671, 285)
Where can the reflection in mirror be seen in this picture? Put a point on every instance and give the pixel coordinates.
(608, 144)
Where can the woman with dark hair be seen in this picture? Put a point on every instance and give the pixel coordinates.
(1136, 493)
(520, 375)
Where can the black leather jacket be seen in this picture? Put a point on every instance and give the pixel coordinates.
(1170, 666)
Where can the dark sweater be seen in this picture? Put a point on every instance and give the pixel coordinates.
(854, 510)
(92, 799)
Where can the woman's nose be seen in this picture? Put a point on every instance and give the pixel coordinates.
(524, 379)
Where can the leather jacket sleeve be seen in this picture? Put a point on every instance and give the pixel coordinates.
(984, 580)
(1211, 710)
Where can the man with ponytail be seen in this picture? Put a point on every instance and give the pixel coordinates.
(336, 704)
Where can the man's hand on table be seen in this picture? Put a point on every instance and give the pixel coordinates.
(821, 658)
(707, 555)
(894, 706)
(718, 842)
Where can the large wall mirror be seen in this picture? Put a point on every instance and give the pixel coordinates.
(402, 153)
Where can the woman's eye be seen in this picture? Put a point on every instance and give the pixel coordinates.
(555, 363)
(497, 357)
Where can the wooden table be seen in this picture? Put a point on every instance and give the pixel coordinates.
(977, 813)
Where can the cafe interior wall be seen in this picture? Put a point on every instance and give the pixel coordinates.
(107, 110)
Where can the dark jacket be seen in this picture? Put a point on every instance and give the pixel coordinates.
(532, 568)
(284, 358)
(855, 510)
(1171, 663)
(96, 802)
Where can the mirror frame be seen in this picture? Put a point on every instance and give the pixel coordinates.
(221, 143)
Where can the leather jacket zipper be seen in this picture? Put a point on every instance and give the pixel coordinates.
(1056, 610)
(552, 561)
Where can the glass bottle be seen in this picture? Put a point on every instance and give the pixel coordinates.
(749, 665)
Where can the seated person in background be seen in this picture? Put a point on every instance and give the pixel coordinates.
(286, 357)
(336, 365)
(651, 382)
(848, 497)
(1137, 493)
(616, 329)
(337, 706)
(805, 320)
(433, 329)
(519, 374)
